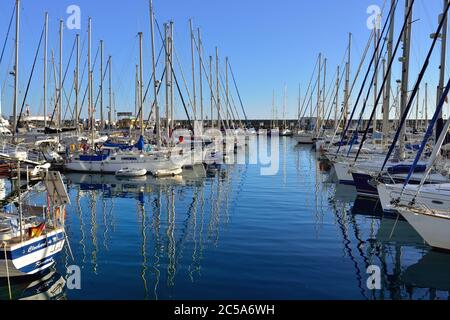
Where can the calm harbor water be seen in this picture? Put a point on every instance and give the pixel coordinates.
(239, 235)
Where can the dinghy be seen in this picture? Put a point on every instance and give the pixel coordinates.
(131, 172)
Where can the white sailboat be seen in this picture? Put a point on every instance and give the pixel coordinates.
(112, 160)
(429, 196)
(432, 223)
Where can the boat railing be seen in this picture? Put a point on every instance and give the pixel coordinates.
(34, 155)
(387, 175)
(13, 151)
(9, 148)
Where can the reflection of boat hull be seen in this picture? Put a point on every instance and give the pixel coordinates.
(430, 272)
(32, 256)
(398, 232)
(49, 286)
(104, 182)
(213, 169)
(345, 193)
(367, 207)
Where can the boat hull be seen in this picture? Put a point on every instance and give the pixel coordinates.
(137, 162)
(343, 173)
(432, 228)
(32, 256)
(365, 185)
(304, 138)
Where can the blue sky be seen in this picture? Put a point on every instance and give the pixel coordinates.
(270, 44)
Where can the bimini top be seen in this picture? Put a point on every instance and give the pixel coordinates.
(139, 145)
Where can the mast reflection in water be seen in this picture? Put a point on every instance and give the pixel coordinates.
(146, 233)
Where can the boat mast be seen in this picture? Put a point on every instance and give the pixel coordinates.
(336, 101)
(77, 71)
(397, 106)
(211, 90)
(299, 103)
(375, 82)
(55, 80)
(310, 109)
(318, 120)
(440, 89)
(194, 91)
(416, 124)
(172, 95)
(387, 88)
(141, 107)
(110, 114)
(426, 105)
(405, 73)
(155, 86)
(219, 126)
(284, 107)
(45, 67)
(166, 43)
(324, 89)
(347, 80)
(200, 58)
(227, 93)
(60, 94)
(277, 126)
(102, 119)
(273, 109)
(136, 91)
(16, 67)
(90, 108)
